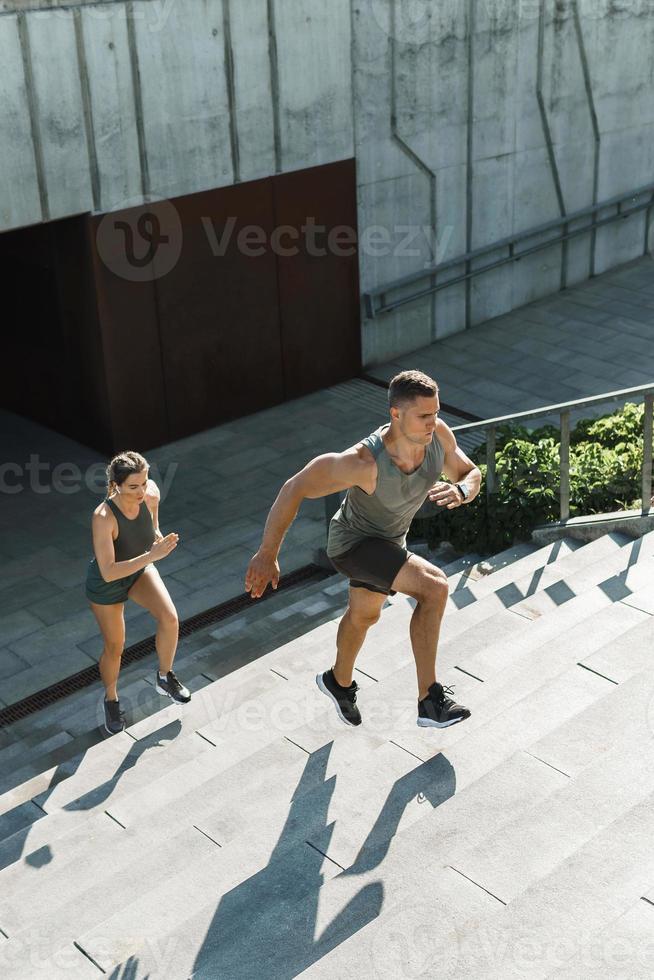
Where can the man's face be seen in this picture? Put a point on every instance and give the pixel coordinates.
(417, 419)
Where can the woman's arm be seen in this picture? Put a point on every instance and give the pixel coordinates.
(152, 499)
(103, 546)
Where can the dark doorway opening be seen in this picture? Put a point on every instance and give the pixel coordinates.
(144, 326)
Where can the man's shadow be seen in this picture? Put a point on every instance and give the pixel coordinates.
(267, 924)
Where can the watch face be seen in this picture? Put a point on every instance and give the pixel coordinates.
(464, 490)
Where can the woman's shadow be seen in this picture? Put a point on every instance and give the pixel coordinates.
(16, 824)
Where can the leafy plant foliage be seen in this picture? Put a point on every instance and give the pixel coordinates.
(606, 458)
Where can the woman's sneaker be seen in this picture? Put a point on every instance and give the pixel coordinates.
(114, 718)
(438, 710)
(171, 687)
(344, 698)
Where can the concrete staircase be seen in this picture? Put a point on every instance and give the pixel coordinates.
(251, 834)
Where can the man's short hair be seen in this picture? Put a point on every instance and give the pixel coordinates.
(409, 385)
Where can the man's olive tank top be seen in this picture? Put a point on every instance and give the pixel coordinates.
(388, 512)
(136, 536)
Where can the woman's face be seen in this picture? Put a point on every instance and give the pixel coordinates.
(132, 489)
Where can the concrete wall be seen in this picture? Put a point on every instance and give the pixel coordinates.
(455, 105)
(469, 120)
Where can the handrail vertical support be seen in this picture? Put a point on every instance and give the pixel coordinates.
(564, 455)
(490, 460)
(647, 452)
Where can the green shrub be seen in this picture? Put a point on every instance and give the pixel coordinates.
(606, 457)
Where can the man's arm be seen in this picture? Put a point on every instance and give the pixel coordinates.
(326, 474)
(458, 468)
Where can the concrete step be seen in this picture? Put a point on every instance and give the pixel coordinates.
(464, 590)
(40, 743)
(236, 733)
(309, 745)
(307, 738)
(489, 651)
(533, 935)
(282, 655)
(98, 771)
(69, 903)
(583, 895)
(390, 707)
(175, 733)
(270, 919)
(532, 845)
(215, 916)
(546, 586)
(628, 653)
(535, 593)
(497, 655)
(621, 950)
(44, 768)
(360, 799)
(140, 804)
(487, 644)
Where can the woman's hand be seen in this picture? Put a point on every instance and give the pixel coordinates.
(158, 536)
(163, 546)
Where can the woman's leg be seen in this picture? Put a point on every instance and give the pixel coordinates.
(112, 626)
(150, 592)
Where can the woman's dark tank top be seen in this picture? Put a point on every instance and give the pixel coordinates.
(135, 537)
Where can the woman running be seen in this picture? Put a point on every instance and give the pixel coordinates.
(127, 541)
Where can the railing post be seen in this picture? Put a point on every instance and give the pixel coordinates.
(564, 469)
(490, 460)
(647, 453)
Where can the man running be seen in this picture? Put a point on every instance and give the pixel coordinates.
(387, 476)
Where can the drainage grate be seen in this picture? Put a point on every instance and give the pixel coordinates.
(90, 675)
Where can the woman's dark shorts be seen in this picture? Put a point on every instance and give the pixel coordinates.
(108, 593)
(372, 564)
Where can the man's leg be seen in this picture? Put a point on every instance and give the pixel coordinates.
(363, 611)
(428, 586)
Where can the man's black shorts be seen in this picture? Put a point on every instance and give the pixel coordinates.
(372, 564)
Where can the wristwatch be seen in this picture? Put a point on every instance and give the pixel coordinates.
(463, 490)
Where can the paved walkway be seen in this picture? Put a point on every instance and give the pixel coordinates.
(590, 338)
(218, 485)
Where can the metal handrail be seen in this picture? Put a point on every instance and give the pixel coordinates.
(374, 308)
(564, 409)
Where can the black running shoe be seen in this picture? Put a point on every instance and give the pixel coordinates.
(114, 718)
(172, 688)
(438, 710)
(344, 698)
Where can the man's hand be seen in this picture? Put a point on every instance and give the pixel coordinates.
(445, 495)
(263, 568)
